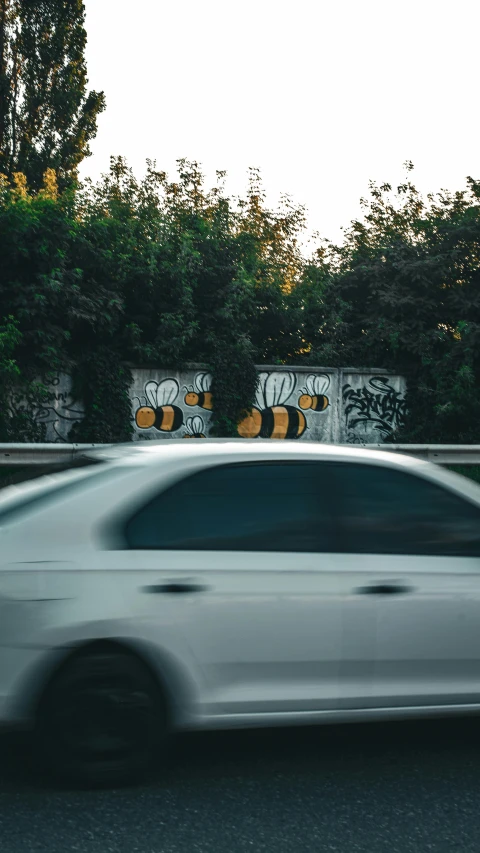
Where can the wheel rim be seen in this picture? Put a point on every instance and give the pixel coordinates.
(104, 722)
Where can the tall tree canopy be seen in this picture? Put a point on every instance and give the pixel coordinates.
(148, 272)
(163, 272)
(47, 116)
(404, 292)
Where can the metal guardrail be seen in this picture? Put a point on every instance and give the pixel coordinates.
(443, 454)
(53, 454)
(43, 454)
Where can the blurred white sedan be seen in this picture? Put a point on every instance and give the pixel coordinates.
(218, 584)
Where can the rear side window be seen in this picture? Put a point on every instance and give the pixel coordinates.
(386, 511)
(244, 507)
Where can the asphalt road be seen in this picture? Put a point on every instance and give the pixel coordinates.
(391, 787)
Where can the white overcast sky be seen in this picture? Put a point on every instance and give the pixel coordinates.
(321, 96)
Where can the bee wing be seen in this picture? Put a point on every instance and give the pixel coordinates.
(260, 398)
(321, 383)
(197, 424)
(189, 425)
(279, 387)
(203, 381)
(167, 392)
(151, 393)
(310, 384)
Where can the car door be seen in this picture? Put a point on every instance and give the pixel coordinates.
(247, 549)
(411, 550)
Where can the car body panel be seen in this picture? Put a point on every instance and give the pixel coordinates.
(269, 636)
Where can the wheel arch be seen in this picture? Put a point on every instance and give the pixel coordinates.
(175, 684)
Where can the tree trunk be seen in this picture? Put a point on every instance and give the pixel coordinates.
(4, 81)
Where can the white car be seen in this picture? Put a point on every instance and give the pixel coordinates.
(212, 584)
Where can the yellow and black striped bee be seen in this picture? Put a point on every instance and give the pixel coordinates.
(200, 394)
(314, 396)
(272, 417)
(194, 427)
(159, 411)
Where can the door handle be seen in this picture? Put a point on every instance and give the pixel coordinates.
(384, 589)
(178, 588)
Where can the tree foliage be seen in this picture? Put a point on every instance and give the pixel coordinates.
(47, 116)
(154, 272)
(403, 292)
(165, 272)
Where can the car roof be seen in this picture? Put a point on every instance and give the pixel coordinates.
(144, 452)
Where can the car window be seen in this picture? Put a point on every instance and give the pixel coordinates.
(386, 511)
(244, 507)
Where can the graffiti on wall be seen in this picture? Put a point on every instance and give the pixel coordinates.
(199, 394)
(158, 408)
(273, 416)
(314, 395)
(289, 404)
(51, 410)
(376, 406)
(283, 404)
(194, 427)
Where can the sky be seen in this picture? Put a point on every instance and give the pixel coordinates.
(321, 96)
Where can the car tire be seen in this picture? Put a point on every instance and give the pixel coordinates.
(101, 721)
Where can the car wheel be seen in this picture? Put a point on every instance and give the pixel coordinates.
(101, 720)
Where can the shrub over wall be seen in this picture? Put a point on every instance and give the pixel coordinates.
(168, 272)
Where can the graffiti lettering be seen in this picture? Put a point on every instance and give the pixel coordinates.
(376, 405)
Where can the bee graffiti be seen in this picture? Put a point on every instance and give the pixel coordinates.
(314, 395)
(199, 394)
(159, 410)
(272, 417)
(194, 427)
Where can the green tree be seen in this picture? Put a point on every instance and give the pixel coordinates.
(404, 293)
(9, 370)
(47, 116)
(50, 305)
(196, 276)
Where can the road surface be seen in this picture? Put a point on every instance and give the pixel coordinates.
(390, 788)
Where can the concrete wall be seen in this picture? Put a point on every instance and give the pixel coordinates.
(57, 415)
(320, 404)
